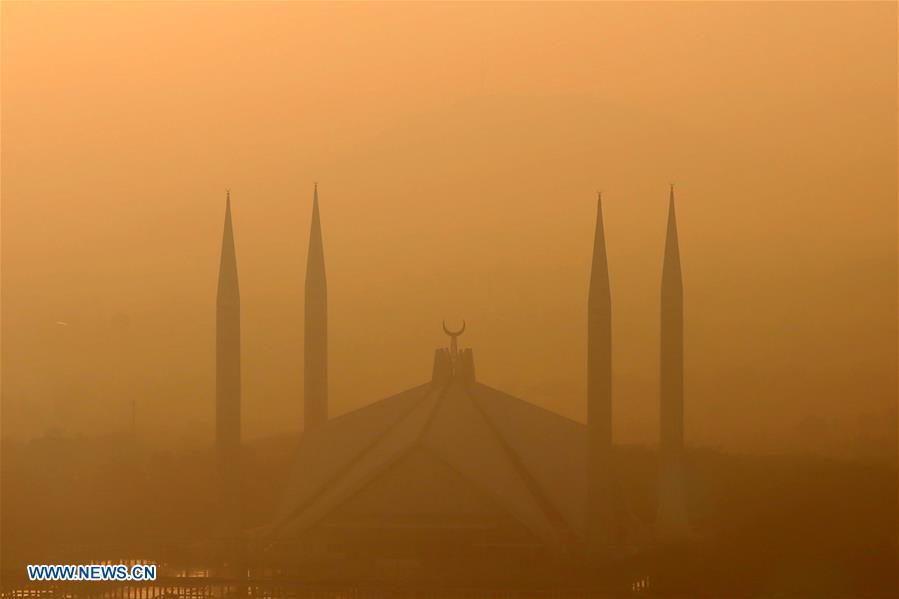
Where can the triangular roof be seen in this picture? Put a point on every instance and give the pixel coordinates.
(526, 460)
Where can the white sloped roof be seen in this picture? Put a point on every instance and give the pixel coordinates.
(329, 449)
(433, 494)
(551, 448)
(528, 461)
(368, 464)
(462, 436)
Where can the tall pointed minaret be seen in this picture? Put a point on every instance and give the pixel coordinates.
(315, 360)
(227, 378)
(601, 527)
(672, 513)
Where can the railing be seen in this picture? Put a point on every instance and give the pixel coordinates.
(202, 587)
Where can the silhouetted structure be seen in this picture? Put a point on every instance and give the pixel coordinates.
(601, 526)
(227, 380)
(455, 480)
(449, 479)
(672, 513)
(315, 340)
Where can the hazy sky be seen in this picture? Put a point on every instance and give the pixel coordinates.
(458, 149)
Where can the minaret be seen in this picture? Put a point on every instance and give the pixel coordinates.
(601, 528)
(315, 358)
(227, 378)
(672, 513)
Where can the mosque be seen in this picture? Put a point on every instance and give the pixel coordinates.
(452, 479)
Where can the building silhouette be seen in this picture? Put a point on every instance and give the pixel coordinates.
(451, 475)
(453, 479)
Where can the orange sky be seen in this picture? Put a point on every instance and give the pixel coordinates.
(458, 149)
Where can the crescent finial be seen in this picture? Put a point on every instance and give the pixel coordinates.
(453, 333)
